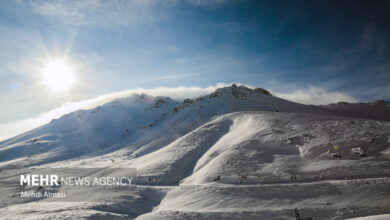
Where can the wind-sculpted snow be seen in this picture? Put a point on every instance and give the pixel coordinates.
(273, 147)
(237, 153)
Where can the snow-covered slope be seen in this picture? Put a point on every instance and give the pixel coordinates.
(237, 153)
(127, 121)
(267, 164)
(93, 131)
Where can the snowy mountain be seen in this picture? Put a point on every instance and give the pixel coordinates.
(237, 153)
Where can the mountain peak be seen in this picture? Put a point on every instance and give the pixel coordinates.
(238, 92)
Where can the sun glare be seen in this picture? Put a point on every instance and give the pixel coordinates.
(58, 76)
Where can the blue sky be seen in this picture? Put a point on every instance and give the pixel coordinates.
(308, 51)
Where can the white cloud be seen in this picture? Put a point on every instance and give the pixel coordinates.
(206, 2)
(315, 96)
(101, 13)
(112, 13)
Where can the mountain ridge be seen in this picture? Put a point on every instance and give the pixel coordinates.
(236, 152)
(125, 117)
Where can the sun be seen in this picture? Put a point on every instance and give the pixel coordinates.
(58, 76)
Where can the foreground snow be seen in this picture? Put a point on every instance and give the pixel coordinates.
(235, 154)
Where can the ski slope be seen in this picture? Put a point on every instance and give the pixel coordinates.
(238, 153)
